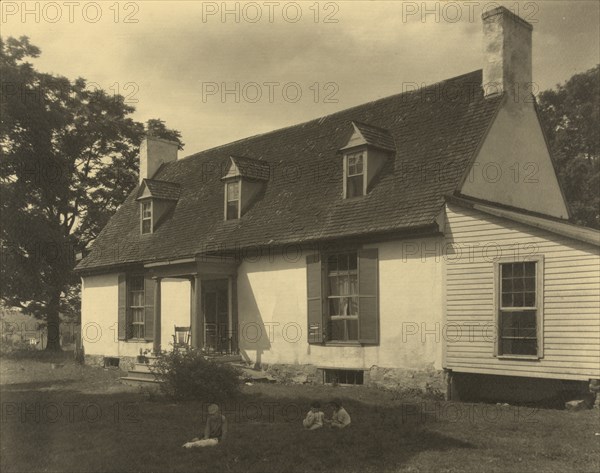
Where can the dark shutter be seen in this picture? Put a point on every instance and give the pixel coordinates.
(315, 299)
(149, 308)
(122, 317)
(368, 304)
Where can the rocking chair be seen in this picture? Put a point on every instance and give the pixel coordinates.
(181, 337)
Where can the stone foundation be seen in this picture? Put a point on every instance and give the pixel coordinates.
(430, 381)
(125, 362)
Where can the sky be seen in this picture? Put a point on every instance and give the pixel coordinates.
(218, 71)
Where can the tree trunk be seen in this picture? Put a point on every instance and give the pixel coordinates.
(53, 323)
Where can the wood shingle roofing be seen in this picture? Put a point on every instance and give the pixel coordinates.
(435, 138)
(162, 189)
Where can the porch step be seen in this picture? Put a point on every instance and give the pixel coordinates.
(137, 381)
(141, 375)
(143, 367)
(224, 358)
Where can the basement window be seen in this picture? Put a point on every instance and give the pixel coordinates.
(341, 376)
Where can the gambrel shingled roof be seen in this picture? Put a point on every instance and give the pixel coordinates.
(435, 140)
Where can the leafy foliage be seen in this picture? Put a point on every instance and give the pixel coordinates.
(187, 374)
(69, 159)
(571, 119)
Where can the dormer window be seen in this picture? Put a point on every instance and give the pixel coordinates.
(364, 155)
(355, 176)
(146, 217)
(245, 182)
(233, 200)
(157, 201)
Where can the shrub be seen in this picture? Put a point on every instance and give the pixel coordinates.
(187, 374)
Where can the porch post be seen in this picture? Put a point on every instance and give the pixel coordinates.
(197, 322)
(230, 314)
(157, 317)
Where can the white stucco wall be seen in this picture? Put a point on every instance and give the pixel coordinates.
(272, 301)
(175, 308)
(99, 315)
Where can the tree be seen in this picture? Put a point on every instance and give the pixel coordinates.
(69, 159)
(571, 120)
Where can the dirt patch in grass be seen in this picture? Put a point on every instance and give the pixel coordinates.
(82, 419)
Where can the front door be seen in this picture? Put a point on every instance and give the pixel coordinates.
(216, 317)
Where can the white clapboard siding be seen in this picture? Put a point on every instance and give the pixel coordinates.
(571, 306)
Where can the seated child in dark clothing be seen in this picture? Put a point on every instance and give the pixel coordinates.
(215, 430)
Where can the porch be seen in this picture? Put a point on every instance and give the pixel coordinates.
(211, 306)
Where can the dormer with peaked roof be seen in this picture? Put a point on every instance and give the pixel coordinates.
(364, 155)
(244, 181)
(156, 199)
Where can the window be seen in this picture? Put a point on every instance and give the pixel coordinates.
(342, 279)
(146, 217)
(342, 297)
(136, 306)
(355, 175)
(232, 200)
(343, 376)
(519, 308)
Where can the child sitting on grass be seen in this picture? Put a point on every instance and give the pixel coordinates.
(340, 418)
(215, 430)
(314, 418)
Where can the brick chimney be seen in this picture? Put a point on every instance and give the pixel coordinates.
(154, 152)
(507, 49)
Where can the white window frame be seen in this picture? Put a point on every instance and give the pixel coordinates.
(364, 174)
(239, 199)
(539, 306)
(142, 218)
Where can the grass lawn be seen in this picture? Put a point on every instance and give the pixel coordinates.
(82, 419)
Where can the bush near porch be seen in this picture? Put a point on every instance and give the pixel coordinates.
(185, 373)
(105, 426)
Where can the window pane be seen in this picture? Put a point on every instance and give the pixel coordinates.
(517, 269)
(354, 186)
(529, 284)
(146, 210)
(518, 333)
(352, 262)
(353, 284)
(507, 300)
(146, 226)
(529, 299)
(343, 263)
(507, 270)
(530, 269)
(334, 306)
(334, 289)
(336, 330)
(233, 191)
(136, 283)
(352, 327)
(332, 263)
(517, 299)
(232, 210)
(518, 284)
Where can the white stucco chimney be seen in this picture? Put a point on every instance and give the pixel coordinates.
(507, 49)
(154, 152)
